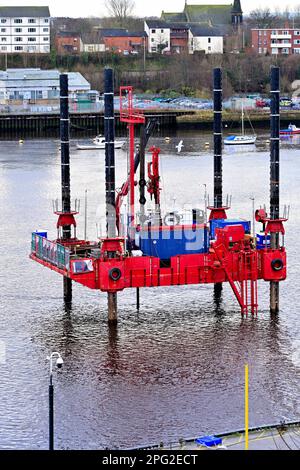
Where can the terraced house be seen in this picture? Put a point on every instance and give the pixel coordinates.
(24, 30)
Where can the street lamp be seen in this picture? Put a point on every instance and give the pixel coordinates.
(59, 363)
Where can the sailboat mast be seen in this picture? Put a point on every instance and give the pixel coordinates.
(243, 131)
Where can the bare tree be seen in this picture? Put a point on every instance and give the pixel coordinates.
(263, 18)
(120, 9)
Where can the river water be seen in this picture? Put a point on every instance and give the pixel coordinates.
(176, 368)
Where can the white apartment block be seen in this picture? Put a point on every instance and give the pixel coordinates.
(24, 30)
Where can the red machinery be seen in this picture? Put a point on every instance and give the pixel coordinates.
(110, 265)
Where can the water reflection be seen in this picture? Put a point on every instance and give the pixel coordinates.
(173, 369)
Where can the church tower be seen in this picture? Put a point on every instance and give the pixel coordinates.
(236, 14)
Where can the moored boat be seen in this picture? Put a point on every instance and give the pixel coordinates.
(291, 130)
(240, 140)
(99, 144)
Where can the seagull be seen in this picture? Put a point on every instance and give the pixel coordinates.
(179, 146)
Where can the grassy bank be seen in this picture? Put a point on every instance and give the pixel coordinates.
(258, 118)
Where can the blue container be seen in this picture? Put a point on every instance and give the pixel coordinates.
(165, 242)
(262, 241)
(41, 234)
(221, 223)
(209, 441)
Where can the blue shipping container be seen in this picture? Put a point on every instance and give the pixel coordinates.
(165, 242)
(221, 223)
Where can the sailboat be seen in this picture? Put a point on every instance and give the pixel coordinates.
(241, 139)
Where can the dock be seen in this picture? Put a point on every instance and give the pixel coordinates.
(40, 124)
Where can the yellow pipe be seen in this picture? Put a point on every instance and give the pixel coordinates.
(246, 407)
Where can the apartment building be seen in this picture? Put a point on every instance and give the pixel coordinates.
(285, 41)
(24, 30)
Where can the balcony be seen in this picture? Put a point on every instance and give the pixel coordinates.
(281, 36)
(280, 45)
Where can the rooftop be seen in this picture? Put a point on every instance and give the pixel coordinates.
(105, 32)
(216, 14)
(24, 12)
(31, 78)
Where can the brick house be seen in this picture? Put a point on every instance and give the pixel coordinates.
(276, 41)
(121, 40)
(67, 42)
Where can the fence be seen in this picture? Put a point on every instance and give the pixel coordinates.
(46, 250)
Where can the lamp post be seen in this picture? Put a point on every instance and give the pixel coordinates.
(59, 363)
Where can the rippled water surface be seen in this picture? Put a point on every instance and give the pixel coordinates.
(175, 369)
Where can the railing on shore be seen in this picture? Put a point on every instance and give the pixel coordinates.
(54, 253)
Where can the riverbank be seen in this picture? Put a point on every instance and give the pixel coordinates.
(232, 119)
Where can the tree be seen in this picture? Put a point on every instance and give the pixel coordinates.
(120, 9)
(263, 18)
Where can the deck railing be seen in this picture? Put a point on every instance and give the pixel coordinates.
(54, 253)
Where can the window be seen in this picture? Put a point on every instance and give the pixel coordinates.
(265, 50)
(153, 49)
(285, 33)
(31, 30)
(209, 48)
(4, 48)
(285, 41)
(161, 30)
(297, 50)
(274, 50)
(18, 48)
(259, 41)
(265, 33)
(45, 30)
(153, 31)
(18, 20)
(265, 42)
(152, 39)
(46, 20)
(3, 39)
(297, 33)
(274, 41)
(285, 50)
(274, 32)
(3, 30)
(3, 20)
(31, 20)
(45, 39)
(297, 41)
(259, 50)
(31, 39)
(209, 40)
(259, 33)
(18, 30)
(18, 39)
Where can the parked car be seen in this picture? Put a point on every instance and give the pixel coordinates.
(285, 102)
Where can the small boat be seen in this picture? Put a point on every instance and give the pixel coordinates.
(99, 144)
(241, 139)
(291, 130)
